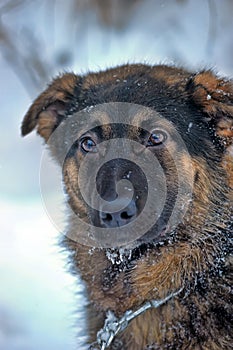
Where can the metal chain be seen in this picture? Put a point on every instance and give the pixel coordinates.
(113, 325)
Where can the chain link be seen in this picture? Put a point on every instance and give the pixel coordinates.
(113, 325)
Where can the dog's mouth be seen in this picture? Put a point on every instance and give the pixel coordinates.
(129, 220)
(159, 236)
(125, 231)
(123, 256)
(159, 233)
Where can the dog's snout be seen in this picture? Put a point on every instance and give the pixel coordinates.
(110, 218)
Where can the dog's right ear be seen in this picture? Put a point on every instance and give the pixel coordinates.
(49, 109)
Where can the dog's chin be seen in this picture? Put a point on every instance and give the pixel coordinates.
(140, 247)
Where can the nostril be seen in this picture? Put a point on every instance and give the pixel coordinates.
(119, 217)
(106, 217)
(125, 215)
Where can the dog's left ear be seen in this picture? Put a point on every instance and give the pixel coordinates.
(214, 96)
(49, 109)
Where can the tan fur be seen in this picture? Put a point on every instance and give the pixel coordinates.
(198, 260)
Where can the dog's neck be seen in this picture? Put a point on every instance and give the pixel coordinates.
(114, 325)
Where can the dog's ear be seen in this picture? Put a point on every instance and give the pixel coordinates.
(214, 96)
(49, 109)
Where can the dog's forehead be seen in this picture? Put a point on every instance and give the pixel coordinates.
(120, 119)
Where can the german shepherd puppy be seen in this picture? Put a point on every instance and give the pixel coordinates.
(162, 282)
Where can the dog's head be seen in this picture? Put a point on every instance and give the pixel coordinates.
(154, 135)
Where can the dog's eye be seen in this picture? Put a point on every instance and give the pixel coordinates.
(156, 138)
(88, 145)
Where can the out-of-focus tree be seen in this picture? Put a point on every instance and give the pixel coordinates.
(24, 51)
(31, 55)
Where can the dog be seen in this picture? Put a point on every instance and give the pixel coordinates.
(157, 276)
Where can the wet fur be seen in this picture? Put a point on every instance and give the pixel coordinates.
(198, 257)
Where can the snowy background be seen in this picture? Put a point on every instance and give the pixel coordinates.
(39, 39)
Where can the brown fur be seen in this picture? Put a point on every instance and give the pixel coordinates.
(198, 259)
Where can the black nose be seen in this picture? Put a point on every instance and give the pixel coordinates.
(121, 217)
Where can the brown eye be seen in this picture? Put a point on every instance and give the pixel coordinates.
(156, 138)
(88, 145)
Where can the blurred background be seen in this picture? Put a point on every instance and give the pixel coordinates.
(41, 305)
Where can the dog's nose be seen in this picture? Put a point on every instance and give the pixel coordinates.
(118, 218)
